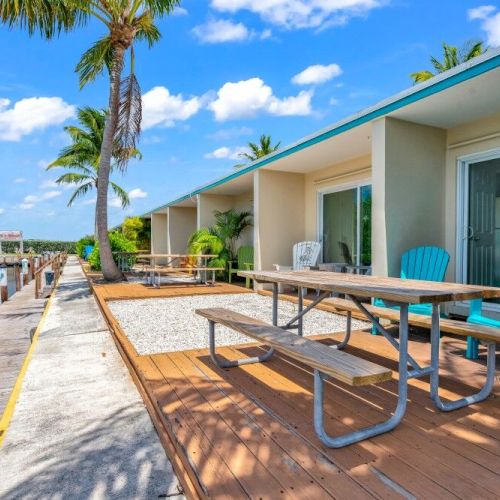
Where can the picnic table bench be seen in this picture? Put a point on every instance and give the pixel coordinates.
(394, 292)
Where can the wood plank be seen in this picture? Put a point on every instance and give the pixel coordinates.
(391, 289)
(338, 364)
(447, 325)
(219, 439)
(292, 401)
(321, 468)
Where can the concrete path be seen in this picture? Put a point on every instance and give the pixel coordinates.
(19, 316)
(80, 429)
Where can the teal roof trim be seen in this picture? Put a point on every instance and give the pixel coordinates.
(440, 83)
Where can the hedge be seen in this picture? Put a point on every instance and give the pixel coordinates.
(40, 246)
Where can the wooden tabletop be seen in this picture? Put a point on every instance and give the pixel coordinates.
(390, 289)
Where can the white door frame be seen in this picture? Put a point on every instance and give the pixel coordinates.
(462, 229)
(336, 189)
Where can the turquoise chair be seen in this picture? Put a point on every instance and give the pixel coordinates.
(476, 317)
(421, 263)
(244, 263)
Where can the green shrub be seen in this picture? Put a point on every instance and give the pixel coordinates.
(118, 244)
(40, 246)
(82, 243)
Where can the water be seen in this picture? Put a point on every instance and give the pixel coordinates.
(11, 281)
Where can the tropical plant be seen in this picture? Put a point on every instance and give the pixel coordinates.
(132, 228)
(452, 56)
(83, 155)
(263, 148)
(220, 239)
(82, 243)
(119, 243)
(125, 22)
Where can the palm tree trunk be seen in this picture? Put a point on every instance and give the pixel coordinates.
(109, 269)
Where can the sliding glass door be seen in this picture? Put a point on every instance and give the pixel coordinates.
(345, 225)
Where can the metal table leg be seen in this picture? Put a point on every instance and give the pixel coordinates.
(374, 430)
(468, 400)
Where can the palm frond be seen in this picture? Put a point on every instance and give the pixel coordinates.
(146, 29)
(422, 76)
(74, 178)
(121, 194)
(94, 60)
(79, 192)
(129, 120)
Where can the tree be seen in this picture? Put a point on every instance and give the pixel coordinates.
(452, 56)
(257, 151)
(132, 228)
(83, 155)
(125, 22)
(220, 239)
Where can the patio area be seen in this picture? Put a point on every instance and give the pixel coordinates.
(247, 431)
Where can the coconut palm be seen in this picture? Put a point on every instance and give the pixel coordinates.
(452, 56)
(83, 156)
(125, 22)
(257, 151)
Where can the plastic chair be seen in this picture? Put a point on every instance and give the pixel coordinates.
(421, 263)
(244, 263)
(476, 317)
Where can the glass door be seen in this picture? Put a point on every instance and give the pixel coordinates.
(483, 229)
(346, 226)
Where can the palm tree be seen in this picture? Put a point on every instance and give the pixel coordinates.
(453, 56)
(125, 22)
(257, 151)
(83, 155)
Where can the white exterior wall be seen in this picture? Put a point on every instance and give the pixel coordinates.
(181, 224)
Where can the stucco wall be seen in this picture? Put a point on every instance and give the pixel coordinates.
(159, 234)
(346, 173)
(408, 190)
(181, 223)
(475, 137)
(279, 199)
(244, 203)
(207, 203)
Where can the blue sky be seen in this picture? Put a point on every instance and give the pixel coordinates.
(225, 72)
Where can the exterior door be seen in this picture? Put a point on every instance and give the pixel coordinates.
(483, 231)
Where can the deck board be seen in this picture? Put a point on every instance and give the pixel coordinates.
(247, 432)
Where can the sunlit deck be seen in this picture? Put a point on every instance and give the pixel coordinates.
(247, 431)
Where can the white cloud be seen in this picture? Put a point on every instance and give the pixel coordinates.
(90, 201)
(333, 101)
(49, 184)
(48, 195)
(30, 115)
(225, 153)
(220, 31)
(43, 163)
(490, 22)
(159, 107)
(2, 211)
(294, 14)
(19, 180)
(180, 11)
(25, 206)
(115, 202)
(137, 193)
(247, 98)
(316, 74)
(481, 12)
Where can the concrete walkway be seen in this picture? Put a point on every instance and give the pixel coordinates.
(80, 429)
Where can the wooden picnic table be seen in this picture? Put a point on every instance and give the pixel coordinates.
(395, 292)
(201, 268)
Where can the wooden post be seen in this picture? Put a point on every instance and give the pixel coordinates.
(37, 285)
(17, 274)
(32, 268)
(4, 289)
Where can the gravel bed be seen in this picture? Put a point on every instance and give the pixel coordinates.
(170, 324)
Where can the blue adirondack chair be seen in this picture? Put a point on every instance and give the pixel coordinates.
(476, 317)
(421, 263)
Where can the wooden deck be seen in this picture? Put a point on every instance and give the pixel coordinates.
(19, 316)
(247, 432)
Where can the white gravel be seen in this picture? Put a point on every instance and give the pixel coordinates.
(170, 324)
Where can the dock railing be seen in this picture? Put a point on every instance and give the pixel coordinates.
(56, 263)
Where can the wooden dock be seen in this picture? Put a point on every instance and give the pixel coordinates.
(19, 317)
(247, 432)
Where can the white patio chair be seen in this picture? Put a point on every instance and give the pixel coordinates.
(305, 255)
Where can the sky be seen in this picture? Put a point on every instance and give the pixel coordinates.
(224, 72)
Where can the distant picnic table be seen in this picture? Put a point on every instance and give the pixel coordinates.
(395, 292)
(175, 263)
